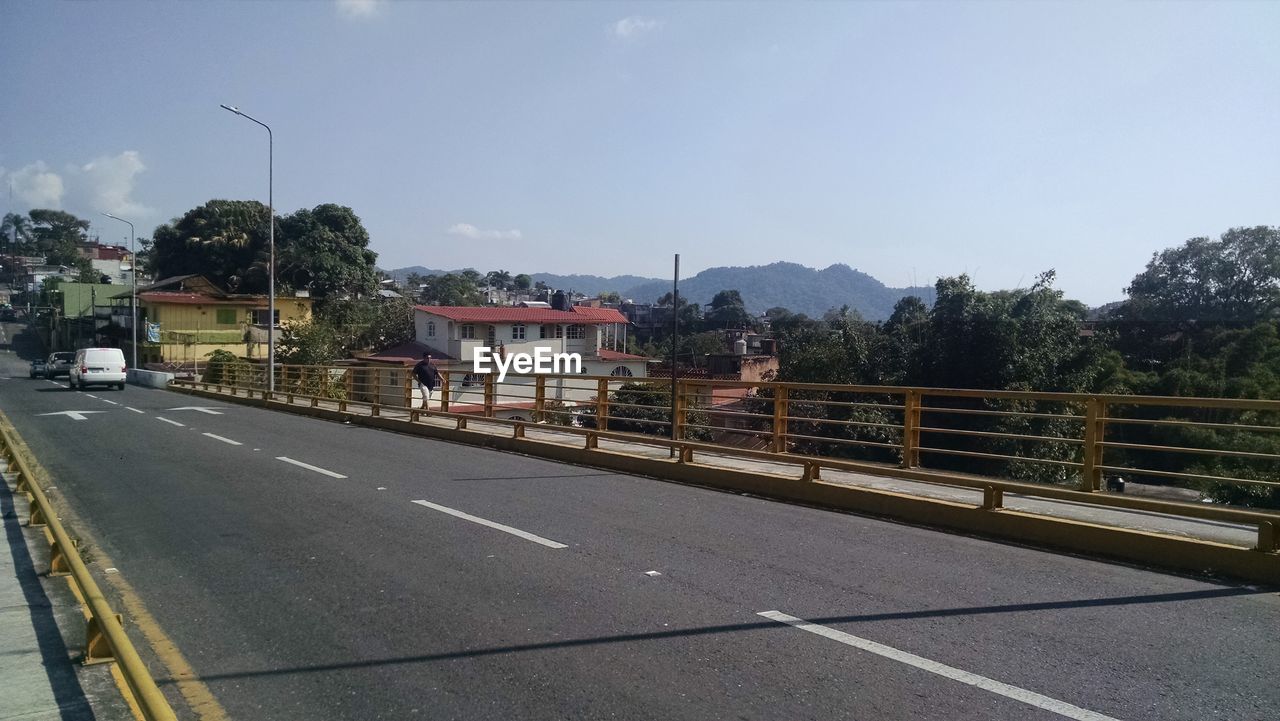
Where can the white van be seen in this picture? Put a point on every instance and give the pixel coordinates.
(98, 366)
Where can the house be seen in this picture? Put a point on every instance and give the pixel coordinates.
(452, 334)
(80, 310)
(190, 317)
(113, 261)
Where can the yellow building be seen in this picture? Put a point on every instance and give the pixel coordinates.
(182, 320)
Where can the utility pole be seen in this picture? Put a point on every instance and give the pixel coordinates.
(675, 340)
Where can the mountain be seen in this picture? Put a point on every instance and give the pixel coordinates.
(588, 284)
(795, 287)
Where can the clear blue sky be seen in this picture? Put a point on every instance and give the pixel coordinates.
(906, 140)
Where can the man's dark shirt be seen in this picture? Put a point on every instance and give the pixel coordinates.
(426, 374)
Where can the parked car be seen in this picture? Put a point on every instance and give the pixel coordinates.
(98, 367)
(37, 368)
(58, 364)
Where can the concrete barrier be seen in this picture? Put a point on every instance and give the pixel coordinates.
(150, 379)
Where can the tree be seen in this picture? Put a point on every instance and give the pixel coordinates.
(522, 282)
(499, 279)
(729, 311)
(450, 289)
(1235, 279)
(326, 251)
(224, 240)
(612, 297)
(58, 235)
(16, 230)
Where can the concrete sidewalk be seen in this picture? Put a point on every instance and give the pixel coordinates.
(42, 634)
(1234, 534)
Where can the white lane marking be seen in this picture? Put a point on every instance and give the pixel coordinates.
(135, 410)
(93, 396)
(73, 415)
(1062, 708)
(224, 440)
(484, 522)
(172, 423)
(310, 467)
(104, 400)
(202, 409)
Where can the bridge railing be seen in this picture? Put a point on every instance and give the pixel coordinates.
(1085, 442)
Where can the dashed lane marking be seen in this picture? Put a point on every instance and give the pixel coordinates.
(310, 467)
(491, 524)
(1031, 698)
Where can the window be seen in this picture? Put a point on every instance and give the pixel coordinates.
(226, 316)
(260, 316)
(493, 336)
(577, 332)
(517, 331)
(559, 331)
(468, 332)
(431, 329)
(621, 371)
(545, 331)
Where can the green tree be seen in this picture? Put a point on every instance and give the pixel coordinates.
(450, 289)
(58, 235)
(224, 240)
(326, 251)
(1235, 278)
(522, 282)
(16, 231)
(729, 311)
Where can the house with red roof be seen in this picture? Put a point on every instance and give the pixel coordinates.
(454, 334)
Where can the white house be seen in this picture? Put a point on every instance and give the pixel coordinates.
(451, 334)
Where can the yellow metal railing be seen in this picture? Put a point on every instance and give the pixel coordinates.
(1024, 442)
(105, 638)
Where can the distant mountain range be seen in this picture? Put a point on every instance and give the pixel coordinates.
(795, 287)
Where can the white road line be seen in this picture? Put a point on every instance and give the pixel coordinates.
(1062, 708)
(310, 467)
(104, 400)
(172, 423)
(508, 529)
(135, 410)
(224, 440)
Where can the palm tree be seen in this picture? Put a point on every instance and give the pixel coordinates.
(16, 229)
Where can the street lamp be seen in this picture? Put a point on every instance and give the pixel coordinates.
(133, 295)
(271, 269)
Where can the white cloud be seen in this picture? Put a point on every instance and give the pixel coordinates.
(106, 184)
(632, 27)
(103, 184)
(359, 8)
(469, 231)
(36, 186)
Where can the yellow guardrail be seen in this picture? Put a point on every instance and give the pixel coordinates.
(789, 418)
(105, 638)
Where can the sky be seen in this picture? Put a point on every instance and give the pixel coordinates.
(909, 141)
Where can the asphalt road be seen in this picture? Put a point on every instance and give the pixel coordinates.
(296, 594)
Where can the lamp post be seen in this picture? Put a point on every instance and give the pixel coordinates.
(271, 268)
(133, 294)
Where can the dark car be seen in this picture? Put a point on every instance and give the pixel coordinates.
(59, 364)
(37, 368)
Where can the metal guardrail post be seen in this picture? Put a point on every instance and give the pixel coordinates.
(539, 397)
(779, 444)
(489, 389)
(911, 429)
(602, 404)
(1091, 473)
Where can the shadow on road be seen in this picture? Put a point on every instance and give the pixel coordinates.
(739, 627)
